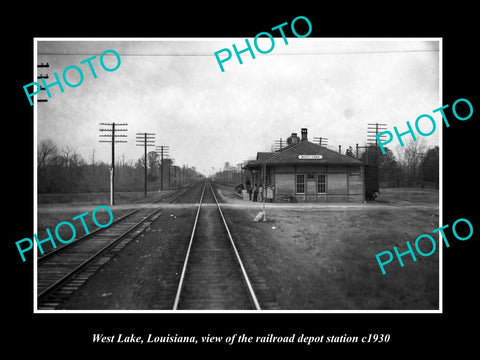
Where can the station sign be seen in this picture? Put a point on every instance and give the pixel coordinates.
(310, 157)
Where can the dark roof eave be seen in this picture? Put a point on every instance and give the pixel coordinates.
(251, 166)
(259, 164)
(314, 163)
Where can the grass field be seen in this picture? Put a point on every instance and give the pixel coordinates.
(324, 258)
(49, 220)
(341, 246)
(408, 195)
(55, 208)
(99, 198)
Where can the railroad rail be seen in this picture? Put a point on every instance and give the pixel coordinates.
(62, 270)
(213, 275)
(169, 199)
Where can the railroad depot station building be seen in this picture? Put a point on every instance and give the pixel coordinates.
(307, 172)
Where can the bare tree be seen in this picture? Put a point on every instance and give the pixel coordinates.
(92, 157)
(76, 159)
(429, 168)
(409, 157)
(46, 149)
(66, 151)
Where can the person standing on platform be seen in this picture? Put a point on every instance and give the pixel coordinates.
(255, 193)
(249, 188)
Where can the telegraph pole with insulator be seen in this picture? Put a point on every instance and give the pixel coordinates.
(145, 140)
(163, 151)
(279, 144)
(171, 163)
(169, 166)
(112, 136)
(372, 132)
(41, 76)
(322, 141)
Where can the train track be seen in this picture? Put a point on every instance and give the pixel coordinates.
(210, 273)
(213, 275)
(63, 270)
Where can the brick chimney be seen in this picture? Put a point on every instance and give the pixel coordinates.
(304, 134)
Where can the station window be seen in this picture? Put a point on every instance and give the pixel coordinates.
(300, 184)
(321, 183)
(355, 171)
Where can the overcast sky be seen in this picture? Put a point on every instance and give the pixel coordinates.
(175, 89)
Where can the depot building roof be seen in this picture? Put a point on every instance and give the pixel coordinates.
(302, 152)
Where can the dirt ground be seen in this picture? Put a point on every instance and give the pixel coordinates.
(323, 257)
(141, 276)
(53, 209)
(144, 275)
(319, 260)
(306, 256)
(49, 218)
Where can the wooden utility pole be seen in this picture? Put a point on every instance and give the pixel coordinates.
(163, 150)
(145, 140)
(372, 132)
(264, 190)
(169, 164)
(42, 65)
(279, 144)
(322, 141)
(113, 139)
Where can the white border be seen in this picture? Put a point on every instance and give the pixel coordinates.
(35, 203)
(35, 180)
(440, 175)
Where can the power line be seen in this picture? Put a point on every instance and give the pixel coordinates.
(277, 54)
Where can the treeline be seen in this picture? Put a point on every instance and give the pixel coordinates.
(412, 165)
(63, 170)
